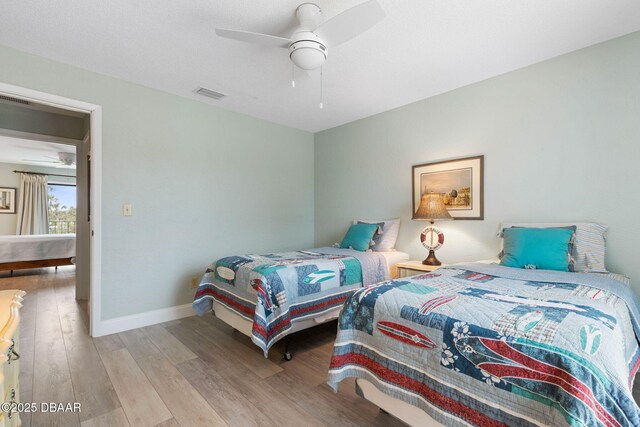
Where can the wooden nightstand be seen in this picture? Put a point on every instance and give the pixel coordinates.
(411, 268)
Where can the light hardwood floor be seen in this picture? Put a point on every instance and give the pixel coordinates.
(196, 371)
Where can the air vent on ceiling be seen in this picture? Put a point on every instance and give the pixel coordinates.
(209, 93)
(16, 100)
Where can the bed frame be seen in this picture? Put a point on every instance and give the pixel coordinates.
(245, 326)
(38, 263)
(399, 409)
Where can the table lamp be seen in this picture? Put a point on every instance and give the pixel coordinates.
(431, 208)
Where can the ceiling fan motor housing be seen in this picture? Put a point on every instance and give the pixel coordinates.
(67, 159)
(307, 50)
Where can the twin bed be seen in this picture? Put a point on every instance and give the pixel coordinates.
(468, 344)
(268, 297)
(36, 251)
(480, 344)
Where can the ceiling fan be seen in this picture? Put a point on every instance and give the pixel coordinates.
(63, 160)
(309, 43)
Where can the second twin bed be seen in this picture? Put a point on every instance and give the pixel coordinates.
(270, 296)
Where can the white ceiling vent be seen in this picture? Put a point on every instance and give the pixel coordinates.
(209, 93)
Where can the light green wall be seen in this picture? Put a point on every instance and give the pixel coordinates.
(9, 179)
(204, 182)
(561, 141)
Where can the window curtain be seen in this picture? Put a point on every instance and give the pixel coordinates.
(33, 203)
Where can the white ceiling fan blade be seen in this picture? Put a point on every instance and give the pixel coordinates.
(350, 23)
(41, 161)
(255, 38)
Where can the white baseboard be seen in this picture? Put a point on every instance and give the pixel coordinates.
(134, 321)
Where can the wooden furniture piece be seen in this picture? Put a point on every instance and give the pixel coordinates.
(10, 303)
(39, 263)
(411, 268)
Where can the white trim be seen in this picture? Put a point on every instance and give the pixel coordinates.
(133, 321)
(46, 98)
(95, 212)
(95, 112)
(38, 137)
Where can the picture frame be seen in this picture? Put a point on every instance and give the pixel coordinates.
(460, 181)
(8, 200)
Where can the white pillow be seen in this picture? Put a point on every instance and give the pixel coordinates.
(588, 246)
(390, 230)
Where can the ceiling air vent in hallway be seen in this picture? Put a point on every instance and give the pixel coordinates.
(209, 93)
(16, 100)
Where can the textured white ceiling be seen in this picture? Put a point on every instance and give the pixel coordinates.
(422, 48)
(36, 153)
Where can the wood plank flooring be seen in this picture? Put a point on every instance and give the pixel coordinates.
(191, 372)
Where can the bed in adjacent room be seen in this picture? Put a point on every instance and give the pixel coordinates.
(36, 251)
(487, 344)
(270, 296)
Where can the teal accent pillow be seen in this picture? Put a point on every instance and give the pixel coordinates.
(537, 248)
(359, 236)
(573, 229)
(377, 236)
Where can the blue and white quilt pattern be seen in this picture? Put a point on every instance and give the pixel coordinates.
(490, 345)
(274, 290)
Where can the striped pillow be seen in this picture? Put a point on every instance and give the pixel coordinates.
(589, 245)
(619, 277)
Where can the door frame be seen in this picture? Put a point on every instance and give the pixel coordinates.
(95, 129)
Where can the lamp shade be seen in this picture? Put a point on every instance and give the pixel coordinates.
(431, 208)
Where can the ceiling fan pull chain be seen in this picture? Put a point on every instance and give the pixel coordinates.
(293, 75)
(321, 97)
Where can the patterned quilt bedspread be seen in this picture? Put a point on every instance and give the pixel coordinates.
(488, 345)
(275, 290)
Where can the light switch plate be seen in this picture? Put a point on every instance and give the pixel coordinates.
(127, 209)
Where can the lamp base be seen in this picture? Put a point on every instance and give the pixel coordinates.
(431, 259)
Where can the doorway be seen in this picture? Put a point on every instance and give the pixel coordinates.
(88, 188)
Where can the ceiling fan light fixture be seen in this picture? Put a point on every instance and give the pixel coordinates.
(67, 159)
(308, 54)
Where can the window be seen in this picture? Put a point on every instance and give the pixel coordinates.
(62, 208)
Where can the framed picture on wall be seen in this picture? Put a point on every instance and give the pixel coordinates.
(7, 200)
(460, 181)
